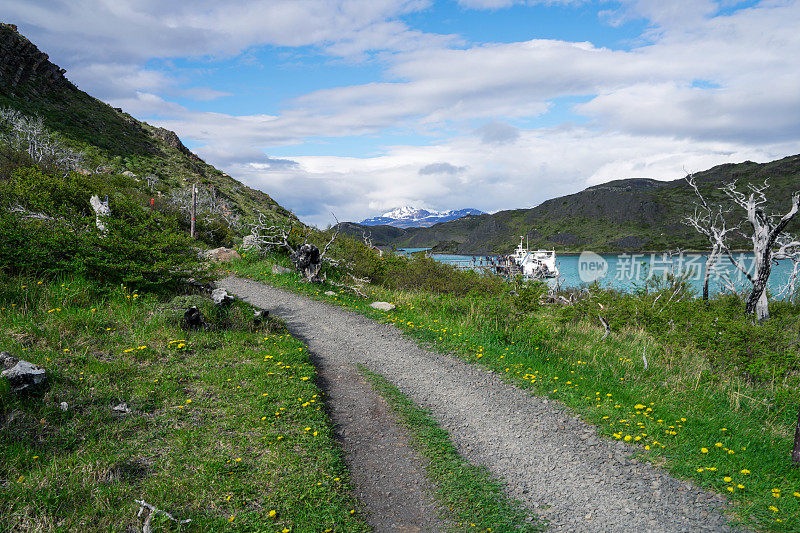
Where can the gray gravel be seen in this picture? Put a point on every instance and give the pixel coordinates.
(549, 459)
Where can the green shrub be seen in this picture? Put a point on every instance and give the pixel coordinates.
(48, 229)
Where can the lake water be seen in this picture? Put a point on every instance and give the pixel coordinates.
(627, 271)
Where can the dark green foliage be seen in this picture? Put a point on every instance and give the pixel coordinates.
(141, 249)
(47, 228)
(48, 193)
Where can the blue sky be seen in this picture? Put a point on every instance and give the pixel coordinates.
(335, 106)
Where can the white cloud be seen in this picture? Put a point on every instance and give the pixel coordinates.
(495, 132)
(649, 116)
(542, 164)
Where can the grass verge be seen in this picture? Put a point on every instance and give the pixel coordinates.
(718, 429)
(226, 426)
(472, 499)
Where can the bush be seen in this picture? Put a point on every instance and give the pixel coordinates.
(47, 228)
(762, 351)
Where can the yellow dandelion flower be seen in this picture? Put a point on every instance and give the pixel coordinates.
(272, 513)
(703, 450)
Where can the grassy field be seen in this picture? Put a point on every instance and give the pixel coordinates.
(715, 427)
(226, 426)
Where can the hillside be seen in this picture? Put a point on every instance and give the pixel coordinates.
(621, 215)
(111, 138)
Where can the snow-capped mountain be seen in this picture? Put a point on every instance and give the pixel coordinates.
(411, 217)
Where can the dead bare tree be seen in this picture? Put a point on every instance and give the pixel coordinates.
(209, 205)
(709, 221)
(29, 134)
(367, 237)
(789, 250)
(766, 230)
(306, 257)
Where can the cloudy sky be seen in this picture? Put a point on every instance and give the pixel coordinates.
(358, 106)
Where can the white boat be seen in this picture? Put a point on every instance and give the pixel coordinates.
(535, 264)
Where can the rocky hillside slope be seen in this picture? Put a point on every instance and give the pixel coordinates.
(33, 85)
(621, 215)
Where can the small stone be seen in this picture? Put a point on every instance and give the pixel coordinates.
(63, 406)
(330, 293)
(121, 408)
(221, 297)
(382, 306)
(277, 269)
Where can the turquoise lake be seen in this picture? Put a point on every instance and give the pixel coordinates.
(627, 271)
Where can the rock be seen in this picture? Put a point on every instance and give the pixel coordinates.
(222, 254)
(330, 293)
(23, 377)
(63, 406)
(221, 297)
(250, 242)
(277, 269)
(383, 306)
(121, 408)
(259, 315)
(129, 174)
(193, 319)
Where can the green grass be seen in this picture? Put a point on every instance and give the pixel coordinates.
(472, 499)
(669, 413)
(227, 425)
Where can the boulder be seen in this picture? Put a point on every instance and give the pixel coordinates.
(250, 242)
(221, 297)
(277, 269)
(382, 306)
(222, 254)
(22, 376)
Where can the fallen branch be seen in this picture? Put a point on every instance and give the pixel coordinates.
(605, 325)
(154, 511)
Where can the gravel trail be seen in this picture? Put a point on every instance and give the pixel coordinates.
(550, 460)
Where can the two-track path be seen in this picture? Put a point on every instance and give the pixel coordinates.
(551, 461)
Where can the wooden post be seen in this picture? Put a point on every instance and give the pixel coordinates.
(194, 209)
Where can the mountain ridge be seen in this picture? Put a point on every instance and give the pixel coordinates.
(625, 215)
(411, 217)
